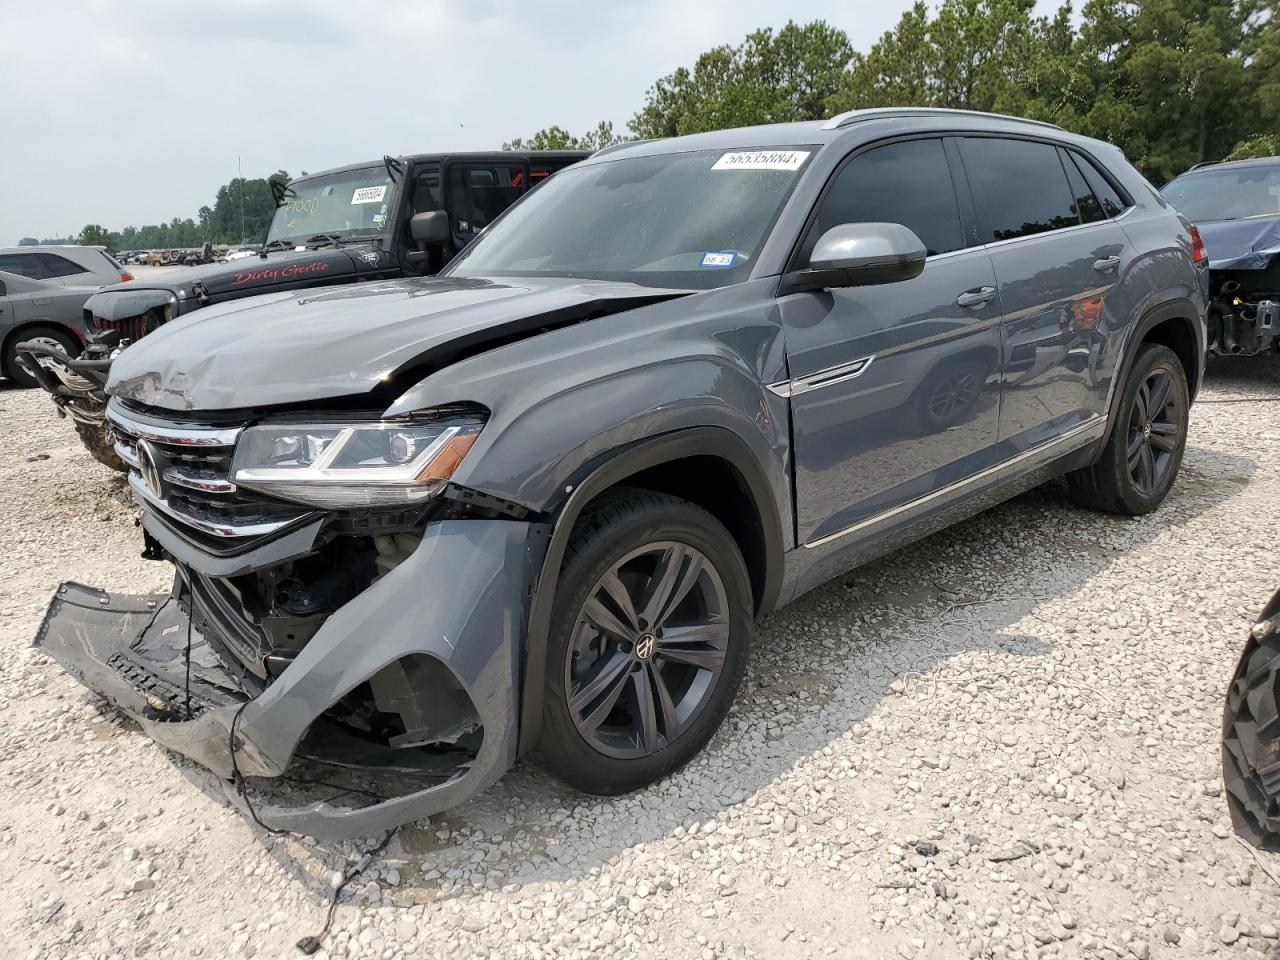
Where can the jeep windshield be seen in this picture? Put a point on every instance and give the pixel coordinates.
(351, 203)
(1228, 194)
(679, 220)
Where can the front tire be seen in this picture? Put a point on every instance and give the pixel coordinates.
(97, 440)
(1141, 459)
(15, 367)
(649, 642)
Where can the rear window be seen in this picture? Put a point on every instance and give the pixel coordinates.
(1020, 186)
(1087, 204)
(61, 266)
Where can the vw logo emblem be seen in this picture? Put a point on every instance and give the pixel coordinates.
(147, 467)
(1146, 431)
(645, 645)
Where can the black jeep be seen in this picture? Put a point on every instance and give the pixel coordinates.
(394, 217)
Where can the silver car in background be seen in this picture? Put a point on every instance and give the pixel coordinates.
(44, 311)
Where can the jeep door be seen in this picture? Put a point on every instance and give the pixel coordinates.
(1057, 257)
(893, 388)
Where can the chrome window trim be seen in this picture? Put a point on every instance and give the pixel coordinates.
(1060, 230)
(193, 436)
(1091, 424)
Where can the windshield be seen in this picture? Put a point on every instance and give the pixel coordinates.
(682, 220)
(351, 203)
(1252, 191)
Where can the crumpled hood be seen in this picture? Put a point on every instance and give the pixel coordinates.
(1247, 244)
(307, 345)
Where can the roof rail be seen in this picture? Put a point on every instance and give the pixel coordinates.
(885, 113)
(1203, 163)
(625, 143)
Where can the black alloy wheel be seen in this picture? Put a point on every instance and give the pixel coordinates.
(1136, 468)
(1155, 432)
(648, 644)
(647, 649)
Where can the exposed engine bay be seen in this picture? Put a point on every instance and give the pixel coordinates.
(1244, 310)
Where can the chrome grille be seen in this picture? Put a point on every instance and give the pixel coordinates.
(183, 471)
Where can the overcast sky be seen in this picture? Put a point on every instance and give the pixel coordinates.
(134, 112)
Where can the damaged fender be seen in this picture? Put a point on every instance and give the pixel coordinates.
(460, 598)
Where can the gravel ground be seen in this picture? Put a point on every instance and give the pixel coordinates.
(1002, 742)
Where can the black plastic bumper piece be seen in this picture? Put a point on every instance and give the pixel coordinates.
(459, 598)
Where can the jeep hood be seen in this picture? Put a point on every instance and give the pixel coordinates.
(300, 346)
(237, 279)
(1247, 244)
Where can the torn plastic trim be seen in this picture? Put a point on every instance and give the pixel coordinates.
(460, 597)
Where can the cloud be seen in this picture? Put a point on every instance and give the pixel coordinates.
(134, 112)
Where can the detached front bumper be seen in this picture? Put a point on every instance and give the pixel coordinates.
(458, 599)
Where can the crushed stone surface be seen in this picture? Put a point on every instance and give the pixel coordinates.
(1001, 742)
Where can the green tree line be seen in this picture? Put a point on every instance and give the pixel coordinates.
(1171, 82)
(220, 223)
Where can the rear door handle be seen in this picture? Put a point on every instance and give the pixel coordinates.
(1106, 263)
(976, 297)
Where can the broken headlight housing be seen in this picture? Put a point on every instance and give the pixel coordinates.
(351, 465)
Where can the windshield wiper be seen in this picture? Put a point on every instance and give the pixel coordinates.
(284, 244)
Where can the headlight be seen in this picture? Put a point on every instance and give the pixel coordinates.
(343, 465)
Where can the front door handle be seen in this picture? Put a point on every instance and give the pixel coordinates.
(976, 297)
(1106, 263)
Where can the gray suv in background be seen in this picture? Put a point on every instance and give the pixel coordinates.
(426, 525)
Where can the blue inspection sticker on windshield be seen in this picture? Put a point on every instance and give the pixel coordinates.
(718, 259)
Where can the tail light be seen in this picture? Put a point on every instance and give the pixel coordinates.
(125, 276)
(1197, 246)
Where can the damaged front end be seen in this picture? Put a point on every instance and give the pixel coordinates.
(1251, 735)
(1244, 285)
(373, 648)
(115, 318)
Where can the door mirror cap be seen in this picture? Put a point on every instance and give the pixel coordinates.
(860, 254)
(429, 227)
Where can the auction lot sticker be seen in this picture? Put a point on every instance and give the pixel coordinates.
(762, 160)
(369, 194)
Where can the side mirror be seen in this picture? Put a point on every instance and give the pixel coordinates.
(430, 227)
(860, 254)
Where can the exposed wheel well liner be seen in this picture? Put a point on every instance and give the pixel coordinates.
(708, 466)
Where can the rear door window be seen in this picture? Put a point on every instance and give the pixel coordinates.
(25, 265)
(1019, 186)
(907, 183)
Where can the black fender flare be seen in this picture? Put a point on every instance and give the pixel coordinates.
(620, 464)
(1178, 308)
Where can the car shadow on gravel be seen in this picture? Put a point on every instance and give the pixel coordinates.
(820, 668)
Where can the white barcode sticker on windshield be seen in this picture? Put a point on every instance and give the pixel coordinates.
(762, 160)
(369, 194)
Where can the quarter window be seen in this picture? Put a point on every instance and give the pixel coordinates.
(907, 183)
(1019, 186)
(1112, 203)
(1087, 204)
(60, 266)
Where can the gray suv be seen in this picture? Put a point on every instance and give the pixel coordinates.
(426, 525)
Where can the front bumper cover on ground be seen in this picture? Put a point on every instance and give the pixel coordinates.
(459, 598)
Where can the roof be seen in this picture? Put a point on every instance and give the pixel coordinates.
(1209, 166)
(845, 127)
(474, 155)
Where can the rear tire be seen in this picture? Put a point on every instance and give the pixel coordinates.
(626, 706)
(1251, 737)
(1138, 465)
(15, 367)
